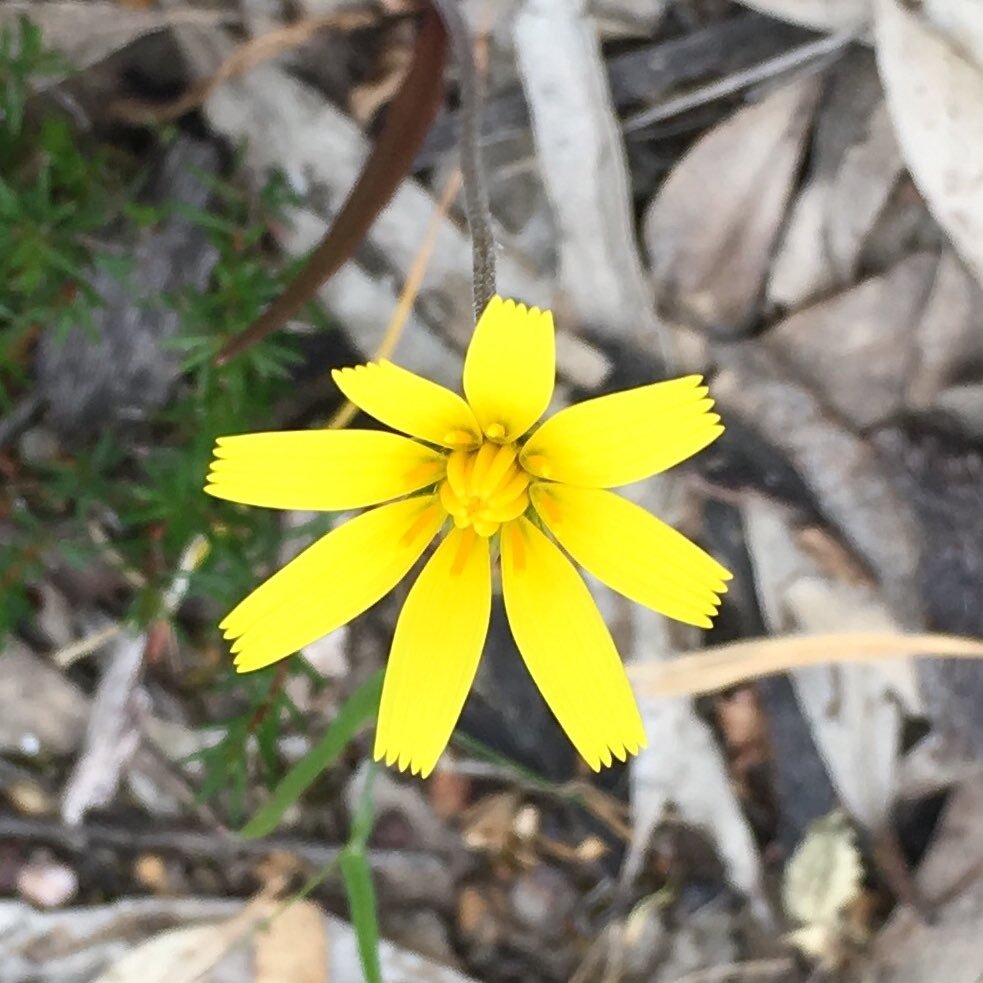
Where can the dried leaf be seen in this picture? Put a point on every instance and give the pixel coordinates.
(824, 15)
(294, 946)
(931, 63)
(849, 707)
(582, 163)
(41, 712)
(712, 229)
(948, 336)
(857, 347)
(853, 164)
(683, 765)
(851, 484)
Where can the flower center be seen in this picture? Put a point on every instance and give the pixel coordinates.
(484, 488)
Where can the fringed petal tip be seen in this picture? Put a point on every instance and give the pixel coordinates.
(402, 760)
(617, 749)
(510, 368)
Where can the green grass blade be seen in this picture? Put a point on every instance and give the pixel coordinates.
(360, 707)
(360, 892)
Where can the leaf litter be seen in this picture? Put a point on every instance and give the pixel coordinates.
(804, 238)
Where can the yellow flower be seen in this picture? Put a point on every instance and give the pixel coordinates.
(475, 463)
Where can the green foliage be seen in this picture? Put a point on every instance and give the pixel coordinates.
(361, 707)
(52, 197)
(143, 495)
(357, 877)
(138, 501)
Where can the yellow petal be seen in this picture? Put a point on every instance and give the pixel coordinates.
(407, 402)
(567, 647)
(439, 637)
(331, 582)
(510, 368)
(617, 439)
(632, 551)
(329, 470)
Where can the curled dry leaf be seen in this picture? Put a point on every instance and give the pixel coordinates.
(931, 63)
(825, 15)
(712, 228)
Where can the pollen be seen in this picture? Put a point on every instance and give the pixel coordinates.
(484, 488)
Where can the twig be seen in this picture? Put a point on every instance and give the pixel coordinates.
(472, 169)
(218, 845)
(762, 72)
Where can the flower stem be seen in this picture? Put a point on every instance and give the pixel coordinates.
(472, 170)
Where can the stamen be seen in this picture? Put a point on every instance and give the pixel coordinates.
(483, 461)
(458, 468)
(484, 488)
(450, 501)
(510, 510)
(463, 439)
(515, 486)
(495, 432)
(497, 470)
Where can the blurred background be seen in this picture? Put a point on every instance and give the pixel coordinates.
(783, 195)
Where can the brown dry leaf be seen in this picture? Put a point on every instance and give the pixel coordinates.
(711, 669)
(931, 63)
(856, 348)
(824, 15)
(293, 947)
(712, 228)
